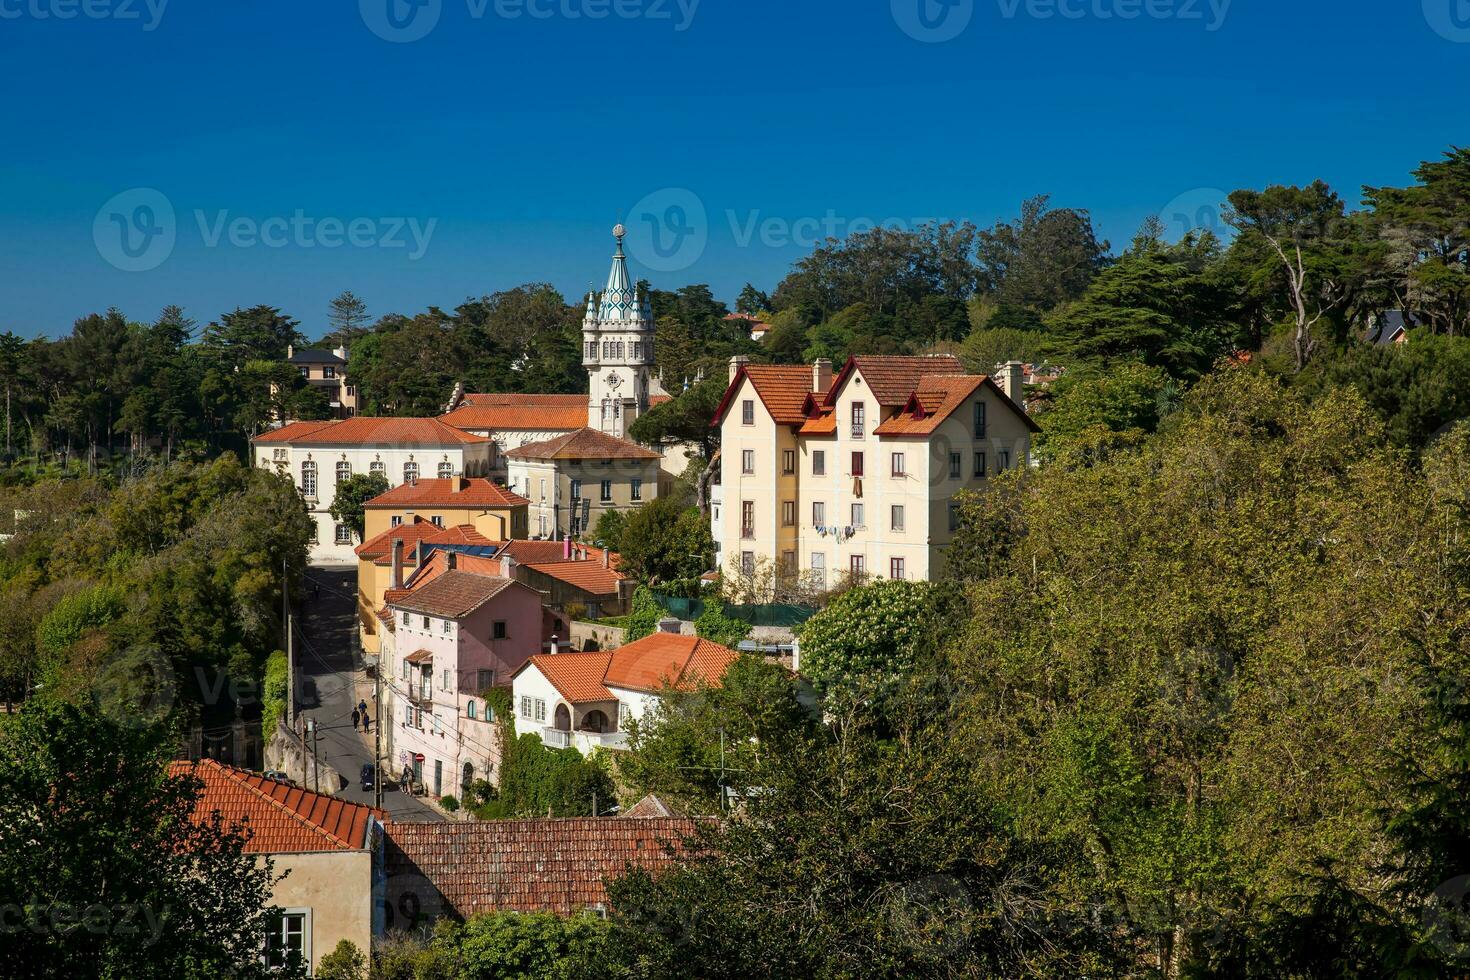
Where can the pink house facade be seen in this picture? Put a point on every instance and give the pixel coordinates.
(454, 639)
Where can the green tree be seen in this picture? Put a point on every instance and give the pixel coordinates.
(348, 318)
(665, 542)
(1093, 413)
(352, 494)
(608, 533)
(344, 962)
(1046, 257)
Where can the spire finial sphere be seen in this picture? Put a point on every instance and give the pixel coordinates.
(619, 232)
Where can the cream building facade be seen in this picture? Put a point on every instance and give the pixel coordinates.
(826, 478)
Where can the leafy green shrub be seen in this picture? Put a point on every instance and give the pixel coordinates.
(89, 609)
(449, 803)
(714, 625)
(346, 962)
(536, 780)
(644, 615)
(274, 691)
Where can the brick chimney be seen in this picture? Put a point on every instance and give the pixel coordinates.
(736, 363)
(821, 375)
(397, 563)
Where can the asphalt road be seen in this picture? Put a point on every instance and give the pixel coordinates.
(325, 642)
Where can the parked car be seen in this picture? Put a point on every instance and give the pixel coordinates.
(368, 780)
(277, 775)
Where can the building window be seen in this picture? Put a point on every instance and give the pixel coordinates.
(305, 372)
(281, 455)
(445, 685)
(954, 466)
(498, 630)
(954, 515)
(788, 513)
(344, 472)
(858, 566)
(1003, 460)
(895, 569)
(344, 534)
(857, 515)
(747, 519)
(484, 681)
(329, 371)
(437, 520)
(525, 707)
(470, 710)
(747, 412)
(540, 710)
(543, 489)
(405, 623)
(819, 513)
(857, 464)
(576, 527)
(747, 564)
(576, 489)
(308, 480)
(315, 533)
(896, 517)
(637, 489)
(379, 467)
(788, 564)
(747, 461)
(979, 464)
(819, 462)
(448, 627)
(410, 472)
(788, 461)
(446, 471)
(426, 622)
(859, 420)
(287, 941)
(606, 491)
(898, 469)
(979, 420)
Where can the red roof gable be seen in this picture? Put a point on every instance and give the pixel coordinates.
(585, 443)
(893, 379)
(283, 819)
(782, 389)
(467, 492)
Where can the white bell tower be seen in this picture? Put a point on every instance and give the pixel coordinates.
(617, 350)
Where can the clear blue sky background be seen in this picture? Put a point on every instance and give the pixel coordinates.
(527, 138)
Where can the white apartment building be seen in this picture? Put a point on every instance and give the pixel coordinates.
(824, 477)
(319, 455)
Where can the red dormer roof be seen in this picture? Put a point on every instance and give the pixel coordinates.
(782, 389)
(893, 379)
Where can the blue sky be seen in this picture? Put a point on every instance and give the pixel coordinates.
(501, 146)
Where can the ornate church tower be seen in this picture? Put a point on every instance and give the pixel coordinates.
(617, 350)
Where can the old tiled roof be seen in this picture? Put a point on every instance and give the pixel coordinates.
(585, 443)
(453, 594)
(529, 552)
(782, 388)
(823, 422)
(578, 676)
(892, 379)
(288, 432)
(539, 413)
(466, 492)
(654, 401)
(465, 535)
(363, 431)
(410, 533)
(562, 866)
(589, 576)
(937, 397)
(651, 806)
(648, 665)
(420, 657)
(283, 819)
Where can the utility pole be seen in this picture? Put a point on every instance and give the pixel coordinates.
(378, 732)
(290, 653)
(313, 730)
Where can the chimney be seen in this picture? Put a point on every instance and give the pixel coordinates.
(507, 566)
(670, 625)
(736, 363)
(451, 560)
(340, 352)
(419, 556)
(290, 351)
(566, 548)
(397, 563)
(1013, 382)
(821, 375)
(555, 645)
(606, 558)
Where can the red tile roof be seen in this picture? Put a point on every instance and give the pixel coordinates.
(539, 413)
(529, 552)
(589, 576)
(649, 665)
(460, 491)
(380, 548)
(782, 388)
(937, 397)
(453, 595)
(656, 400)
(465, 868)
(289, 431)
(363, 431)
(892, 379)
(585, 443)
(283, 819)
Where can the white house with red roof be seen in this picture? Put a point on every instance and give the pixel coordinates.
(319, 455)
(585, 701)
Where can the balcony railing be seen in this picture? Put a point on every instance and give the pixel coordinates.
(555, 738)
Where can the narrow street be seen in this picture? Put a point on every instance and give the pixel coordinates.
(332, 687)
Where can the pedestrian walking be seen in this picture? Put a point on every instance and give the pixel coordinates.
(362, 706)
(354, 719)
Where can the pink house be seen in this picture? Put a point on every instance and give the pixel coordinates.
(455, 638)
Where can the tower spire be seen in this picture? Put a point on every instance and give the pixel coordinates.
(618, 300)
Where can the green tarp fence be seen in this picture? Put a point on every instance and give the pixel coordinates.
(772, 614)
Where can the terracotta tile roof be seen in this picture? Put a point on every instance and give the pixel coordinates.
(410, 533)
(585, 443)
(578, 676)
(589, 576)
(466, 868)
(420, 657)
(892, 379)
(463, 535)
(651, 806)
(823, 423)
(288, 432)
(453, 594)
(363, 431)
(495, 413)
(663, 659)
(782, 388)
(648, 665)
(283, 819)
(528, 552)
(656, 400)
(466, 492)
(937, 397)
